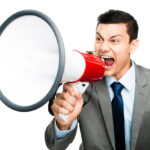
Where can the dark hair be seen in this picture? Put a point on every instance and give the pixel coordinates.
(117, 16)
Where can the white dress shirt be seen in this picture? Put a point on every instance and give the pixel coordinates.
(128, 92)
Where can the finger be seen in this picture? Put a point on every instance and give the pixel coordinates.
(57, 109)
(65, 104)
(66, 97)
(68, 88)
(79, 104)
(78, 96)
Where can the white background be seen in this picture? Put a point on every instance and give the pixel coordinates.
(76, 21)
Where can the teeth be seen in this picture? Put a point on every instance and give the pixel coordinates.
(105, 57)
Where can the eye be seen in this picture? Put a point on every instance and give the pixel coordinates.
(99, 39)
(114, 40)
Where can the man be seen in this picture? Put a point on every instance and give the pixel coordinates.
(116, 115)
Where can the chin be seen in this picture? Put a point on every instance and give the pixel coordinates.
(108, 74)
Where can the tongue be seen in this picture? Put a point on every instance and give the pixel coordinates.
(109, 62)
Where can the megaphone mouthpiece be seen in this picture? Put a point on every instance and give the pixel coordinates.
(83, 67)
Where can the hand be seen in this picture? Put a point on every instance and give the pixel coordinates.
(64, 103)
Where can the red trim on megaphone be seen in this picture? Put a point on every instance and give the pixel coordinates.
(94, 69)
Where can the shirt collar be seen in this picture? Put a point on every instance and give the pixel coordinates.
(127, 80)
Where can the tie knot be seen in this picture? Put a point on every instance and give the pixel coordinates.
(117, 87)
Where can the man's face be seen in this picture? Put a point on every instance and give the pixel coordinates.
(112, 44)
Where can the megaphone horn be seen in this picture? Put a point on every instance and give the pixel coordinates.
(33, 61)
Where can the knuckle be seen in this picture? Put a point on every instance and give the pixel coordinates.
(67, 87)
(55, 102)
(52, 107)
(59, 110)
(58, 95)
(65, 95)
(64, 103)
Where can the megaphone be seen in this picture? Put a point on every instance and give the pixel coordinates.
(33, 61)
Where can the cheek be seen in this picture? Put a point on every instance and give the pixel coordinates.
(119, 53)
(97, 48)
(122, 57)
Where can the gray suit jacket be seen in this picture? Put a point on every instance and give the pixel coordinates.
(96, 123)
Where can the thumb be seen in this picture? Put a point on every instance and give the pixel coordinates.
(79, 102)
(78, 97)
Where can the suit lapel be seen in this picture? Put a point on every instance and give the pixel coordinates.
(139, 104)
(138, 112)
(105, 105)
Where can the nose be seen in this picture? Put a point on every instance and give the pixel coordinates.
(104, 47)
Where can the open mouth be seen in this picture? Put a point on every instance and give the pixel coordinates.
(109, 61)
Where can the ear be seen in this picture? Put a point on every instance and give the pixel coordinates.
(134, 45)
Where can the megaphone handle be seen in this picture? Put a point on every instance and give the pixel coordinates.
(79, 87)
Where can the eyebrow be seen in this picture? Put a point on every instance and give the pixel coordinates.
(111, 36)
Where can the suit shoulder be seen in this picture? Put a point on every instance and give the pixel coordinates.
(144, 69)
(143, 74)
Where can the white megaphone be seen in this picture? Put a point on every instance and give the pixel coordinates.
(33, 61)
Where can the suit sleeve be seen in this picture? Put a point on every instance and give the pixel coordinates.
(53, 143)
(50, 136)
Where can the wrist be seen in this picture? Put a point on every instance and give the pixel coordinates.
(68, 126)
(63, 127)
(63, 133)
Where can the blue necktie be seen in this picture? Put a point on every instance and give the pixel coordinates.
(118, 116)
